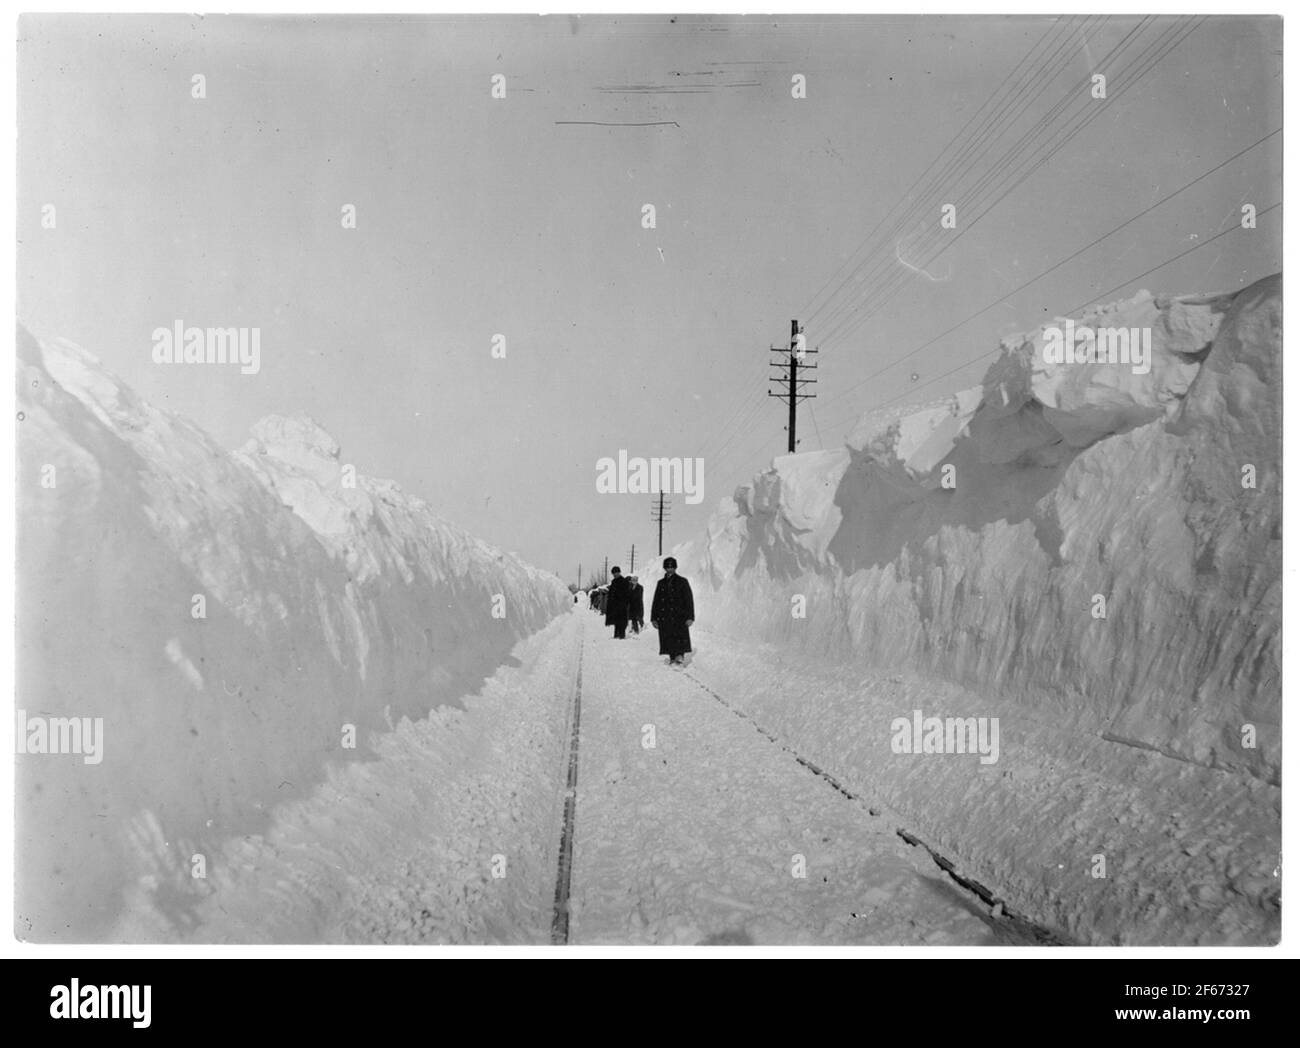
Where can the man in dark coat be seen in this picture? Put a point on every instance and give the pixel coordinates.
(636, 605)
(672, 613)
(616, 603)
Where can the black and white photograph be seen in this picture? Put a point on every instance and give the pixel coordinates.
(648, 480)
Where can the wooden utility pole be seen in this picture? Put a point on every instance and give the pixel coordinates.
(658, 514)
(605, 578)
(631, 557)
(794, 359)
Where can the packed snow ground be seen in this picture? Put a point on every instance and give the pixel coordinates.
(691, 827)
(1189, 858)
(451, 834)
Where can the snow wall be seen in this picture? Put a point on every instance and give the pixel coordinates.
(228, 616)
(972, 541)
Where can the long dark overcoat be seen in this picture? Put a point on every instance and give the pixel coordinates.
(672, 606)
(616, 601)
(636, 603)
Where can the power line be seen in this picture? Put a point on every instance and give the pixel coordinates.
(745, 411)
(987, 134)
(1165, 43)
(814, 313)
(816, 428)
(893, 280)
(1168, 43)
(738, 466)
(755, 411)
(1075, 309)
(1051, 269)
(996, 117)
(1039, 146)
(1074, 94)
(746, 401)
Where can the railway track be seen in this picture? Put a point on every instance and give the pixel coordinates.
(564, 872)
(1010, 927)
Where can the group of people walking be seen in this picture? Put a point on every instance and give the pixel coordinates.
(624, 603)
(672, 612)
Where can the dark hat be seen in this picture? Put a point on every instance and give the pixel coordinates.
(670, 562)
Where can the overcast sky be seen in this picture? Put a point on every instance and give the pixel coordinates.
(478, 216)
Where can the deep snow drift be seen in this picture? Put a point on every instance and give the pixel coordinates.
(968, 546)
(228, 615)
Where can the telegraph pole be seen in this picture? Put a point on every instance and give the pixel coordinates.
(579, 574)
(658, 514)
(631, 567)
(605, 578)
(793, 357)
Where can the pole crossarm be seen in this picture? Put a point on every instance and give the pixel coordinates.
(792, 358)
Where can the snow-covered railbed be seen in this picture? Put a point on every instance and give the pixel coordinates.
(1010, 927)
(1106, 842)
(694, 829)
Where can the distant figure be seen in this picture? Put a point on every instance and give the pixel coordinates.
(636, 605)
(672, 613)
(616, 602)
